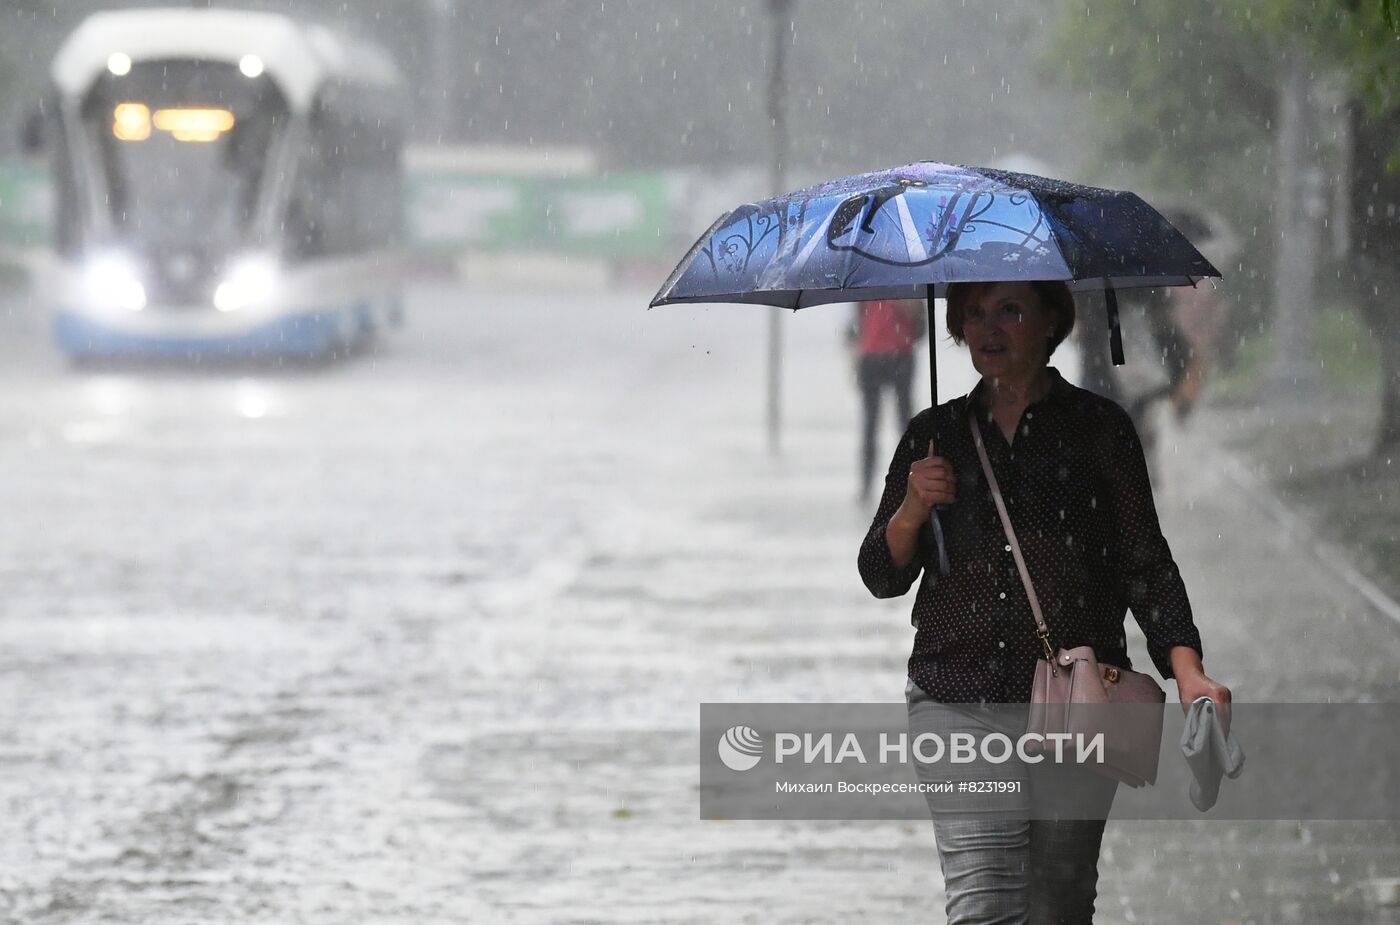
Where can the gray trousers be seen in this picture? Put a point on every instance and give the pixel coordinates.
(1003, 861)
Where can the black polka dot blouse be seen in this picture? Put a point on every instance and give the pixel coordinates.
(1077, 490)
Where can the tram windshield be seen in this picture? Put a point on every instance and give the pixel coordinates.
(183, 149)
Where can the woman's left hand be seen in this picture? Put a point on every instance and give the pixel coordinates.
(1193, 685)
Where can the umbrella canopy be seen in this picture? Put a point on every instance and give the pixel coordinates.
(893, 233)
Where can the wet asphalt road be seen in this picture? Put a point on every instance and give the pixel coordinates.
(420, 637)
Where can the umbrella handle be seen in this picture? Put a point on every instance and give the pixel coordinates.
(937, 525)
(943, 567)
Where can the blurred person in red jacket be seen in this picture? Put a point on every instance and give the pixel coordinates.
(882, 336)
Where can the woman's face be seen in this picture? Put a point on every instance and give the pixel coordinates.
(1007, 331)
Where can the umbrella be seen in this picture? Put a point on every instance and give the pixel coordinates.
(907, 232)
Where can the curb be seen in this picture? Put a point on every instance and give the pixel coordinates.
(1333, 557)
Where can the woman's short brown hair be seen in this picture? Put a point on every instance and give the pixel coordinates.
(1055, 298)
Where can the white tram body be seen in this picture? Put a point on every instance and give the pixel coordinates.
(226, 183)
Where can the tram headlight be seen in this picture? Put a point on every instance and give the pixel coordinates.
(112, 281)
(248, 283)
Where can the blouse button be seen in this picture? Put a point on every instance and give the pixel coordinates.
(1002, 595)
(1007, 547)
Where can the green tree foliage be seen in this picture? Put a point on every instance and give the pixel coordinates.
(1175, 84)
(1187, 95)
(1182, 96)
(1186, 88)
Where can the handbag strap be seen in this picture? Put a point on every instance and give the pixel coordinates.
(1041, 630)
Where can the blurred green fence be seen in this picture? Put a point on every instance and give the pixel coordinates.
(621, 215)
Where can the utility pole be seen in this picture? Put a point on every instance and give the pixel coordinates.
(780, 15)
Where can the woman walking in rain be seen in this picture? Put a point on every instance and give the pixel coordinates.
(1071, 470)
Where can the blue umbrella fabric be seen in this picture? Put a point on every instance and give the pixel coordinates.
(892, 233)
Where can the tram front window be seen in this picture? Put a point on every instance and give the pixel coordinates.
(183, 149)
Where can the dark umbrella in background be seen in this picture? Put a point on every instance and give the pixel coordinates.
(906, 232)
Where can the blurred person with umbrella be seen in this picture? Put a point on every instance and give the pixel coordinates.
(1007, 249)
(1177, 335)
(1197, 313)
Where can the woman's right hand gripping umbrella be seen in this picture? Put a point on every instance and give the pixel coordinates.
(932, 481)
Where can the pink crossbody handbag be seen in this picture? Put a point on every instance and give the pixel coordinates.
(1073, 694)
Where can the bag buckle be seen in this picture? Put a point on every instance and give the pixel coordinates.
(1110, 674)
(1044, 635)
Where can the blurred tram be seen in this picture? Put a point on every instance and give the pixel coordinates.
(227, 183)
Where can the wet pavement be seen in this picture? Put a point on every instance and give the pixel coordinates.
(420, 637)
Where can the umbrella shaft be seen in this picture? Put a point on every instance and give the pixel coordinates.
(932, 349)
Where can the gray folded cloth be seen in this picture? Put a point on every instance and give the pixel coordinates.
(1209, 752)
